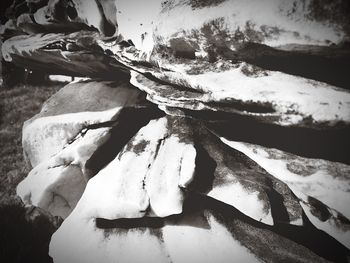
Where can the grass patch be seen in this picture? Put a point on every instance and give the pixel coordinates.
(16, 106)
(25, 232)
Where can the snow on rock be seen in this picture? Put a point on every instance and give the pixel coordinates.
(322, 186)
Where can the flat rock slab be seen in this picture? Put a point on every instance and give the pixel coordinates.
(270, 97)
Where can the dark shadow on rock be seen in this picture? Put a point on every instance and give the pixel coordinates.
(327, 64)
(130, 121)
(204, 171)
(242, 228)
(278, 210)
(331, 143)
(307, 235)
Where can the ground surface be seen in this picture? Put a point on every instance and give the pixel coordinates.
(24, 232)
(16, 106)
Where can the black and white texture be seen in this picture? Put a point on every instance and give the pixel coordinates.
(205, 131)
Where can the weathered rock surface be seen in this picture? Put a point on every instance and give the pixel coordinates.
(274, 23)
(320, 185)
(147, 202)
(75, 54)
(91, 104)
(63, 16)
(60, 142)
(100, 15)
(135, 183)
(300, 102)
(207, 230)
(224, 84)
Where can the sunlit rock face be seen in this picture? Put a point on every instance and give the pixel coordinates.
(61, 142)
(210, 131)
(186, 186)
(326, 184)
(207, 26)
(76, 107)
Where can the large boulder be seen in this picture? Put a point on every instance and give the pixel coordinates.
(169, 155)
(61, 142)
(187, 182)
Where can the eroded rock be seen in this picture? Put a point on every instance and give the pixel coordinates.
(322, 186)
(75, 54)
(137, 184)
(259, 96)
(206, 230)
(61, 142)
(61, 119)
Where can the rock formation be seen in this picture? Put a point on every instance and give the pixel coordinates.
(203, 133)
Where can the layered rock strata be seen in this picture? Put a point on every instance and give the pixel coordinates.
(208, 130)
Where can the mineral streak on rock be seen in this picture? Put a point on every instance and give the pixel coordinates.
(192, 141)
